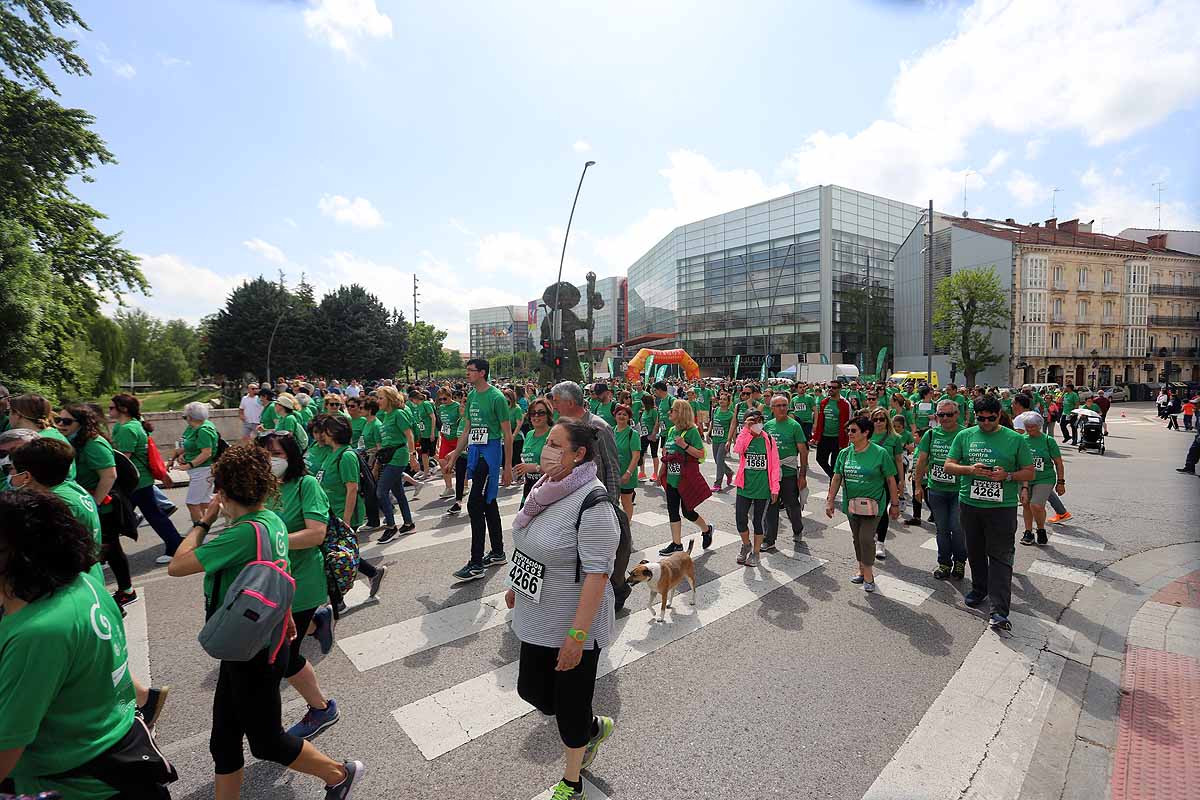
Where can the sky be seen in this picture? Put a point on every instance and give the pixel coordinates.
(368, 140)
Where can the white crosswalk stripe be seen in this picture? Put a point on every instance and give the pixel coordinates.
(452, 717)
(137, 637)
(402, 639)
(1080, 576)
(651, 519)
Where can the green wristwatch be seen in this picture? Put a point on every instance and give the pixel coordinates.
(577, 635)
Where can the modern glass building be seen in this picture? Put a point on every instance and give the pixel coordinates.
(808, 273)
(499, 329)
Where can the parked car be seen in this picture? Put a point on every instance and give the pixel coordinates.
(1115, 393)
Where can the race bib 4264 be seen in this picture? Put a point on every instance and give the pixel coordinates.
(987, 491)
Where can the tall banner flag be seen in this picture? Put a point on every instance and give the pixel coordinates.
(662, 372)
(762, 373)
(649, 369)
(879, 362)
(532, 309)
(737, 362)
(611, 374)
(824, 358)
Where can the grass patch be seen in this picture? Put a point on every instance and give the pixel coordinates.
(175, 399)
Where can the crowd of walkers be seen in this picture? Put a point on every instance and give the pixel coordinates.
(275, 518)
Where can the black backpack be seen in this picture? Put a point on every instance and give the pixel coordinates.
(621, 560)
(222, 446)
(127, 473)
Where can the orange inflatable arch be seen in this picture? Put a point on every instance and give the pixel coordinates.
(690, 368)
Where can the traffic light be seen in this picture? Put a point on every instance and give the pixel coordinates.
(547, 353)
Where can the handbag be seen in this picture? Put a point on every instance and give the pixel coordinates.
(863, 506)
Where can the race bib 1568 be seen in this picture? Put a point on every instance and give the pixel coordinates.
(756, 460)
(988, 491)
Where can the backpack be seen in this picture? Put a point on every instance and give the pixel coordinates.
(366, 478)
(127, 473)
(222, 446)
(256, 611)
(157, 468)
(340, 551)
(624, 544)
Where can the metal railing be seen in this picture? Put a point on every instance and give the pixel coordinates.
(1173, 352)
(1182, 291)
(1173, 321)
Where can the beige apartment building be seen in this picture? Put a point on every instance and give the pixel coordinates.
(1099, 310)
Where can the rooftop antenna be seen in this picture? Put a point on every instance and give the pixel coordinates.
(1159, 185)
(966, 175)
(1053, 202)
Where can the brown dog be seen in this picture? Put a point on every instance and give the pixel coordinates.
(663, 576)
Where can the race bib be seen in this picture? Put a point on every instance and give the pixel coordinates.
(446, 429)
(674, 468)
(421, 425)
(939, 474)
(525, 576)
(756, 461)
(987, 491)
(718, 432)
(801, 407)
(477, 436)
(925, 408)
(1038, 463)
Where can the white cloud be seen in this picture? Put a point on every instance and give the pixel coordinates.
(1009, 67)
(122, 69)
(291, 223)
(996, 162)
(341, 23)
(1033, 148)
(581, 146)
(698, 189)
(1025, 190)
(179, 290)
(1115, 205)
(358, 213)
(266, 250)
(173, 61)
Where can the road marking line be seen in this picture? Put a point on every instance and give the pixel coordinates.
(1082, 577)
(1007, 682)
(817, 495)
(589, 790)
(930, 544)
(895, 589)
(651, 519)
(380, 646)
(1075, 541)
(137, 638)
(509, 501)
(418, 540)
(196, 739)
(454, 716)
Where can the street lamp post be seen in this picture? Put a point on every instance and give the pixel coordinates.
(556, 326)
(271, 341)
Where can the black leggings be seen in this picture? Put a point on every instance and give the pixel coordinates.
(567, 696)
(296, 661)
(651, 445)
(881, 528)
(485, 516)
(827, 453)
(246, 704)
(675, 504)
(515, 456)
(741, 513)
(460, 477)
(112, 553)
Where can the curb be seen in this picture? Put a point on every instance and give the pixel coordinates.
(1073, 757)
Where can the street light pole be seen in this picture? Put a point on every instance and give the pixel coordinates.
(271, 341)
(556, 326)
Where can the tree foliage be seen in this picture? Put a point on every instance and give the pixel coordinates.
(966, 307)
(425, 348)
(27, 39)
(108, 341)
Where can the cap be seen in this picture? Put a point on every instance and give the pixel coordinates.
(287, 401)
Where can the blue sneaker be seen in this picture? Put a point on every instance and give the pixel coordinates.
(315, 720)
(999, 622)
(323, 620)
(973, 599)
(471, 572)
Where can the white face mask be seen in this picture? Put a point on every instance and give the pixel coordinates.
(756, 428)
(551, 459)
(278, 467)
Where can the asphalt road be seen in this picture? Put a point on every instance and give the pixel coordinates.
(810, 685)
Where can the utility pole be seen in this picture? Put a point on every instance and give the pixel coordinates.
(966, 175)
(1159, 185)
(415, 293)
(929, 298)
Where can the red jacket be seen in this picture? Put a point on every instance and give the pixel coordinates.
(843, 421)
(693, 488)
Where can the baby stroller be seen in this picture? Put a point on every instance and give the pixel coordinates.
(1091, 430)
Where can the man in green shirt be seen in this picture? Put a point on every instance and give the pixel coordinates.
(792, 445)
(933, 484)
(990, 462)
(804, 402)
(1070, 402)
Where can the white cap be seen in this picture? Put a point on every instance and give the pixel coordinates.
(1026, 418)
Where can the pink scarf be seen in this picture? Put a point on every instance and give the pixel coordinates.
(546, 492)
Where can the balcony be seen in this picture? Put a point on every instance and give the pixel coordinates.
(1178, 291)
(1060, 286)
(1110, 288)
(1110, 320)
(1173, 352)
(1160, 321)
(1084, 352)
(1058, 319)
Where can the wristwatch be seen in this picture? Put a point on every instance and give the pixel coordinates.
(577, 635)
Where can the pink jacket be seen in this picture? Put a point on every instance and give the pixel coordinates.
(774, 470)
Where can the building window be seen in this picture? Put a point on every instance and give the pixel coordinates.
(1056, 340)
(1035, 340)
(1058, 310)
(1150, 343)
(1107, 340)
(1081, 311)
(1135, 310)
(1108, 279)
(1083, 278)
(1081, 340)
(1136, 277)
(1058, 277)
(1135, 342)
(1035, 306)
(1035, 272)
(1174, 342)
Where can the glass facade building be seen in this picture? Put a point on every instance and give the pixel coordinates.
(806, 273)
(499, 329)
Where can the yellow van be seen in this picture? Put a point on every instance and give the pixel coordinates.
(917, 378)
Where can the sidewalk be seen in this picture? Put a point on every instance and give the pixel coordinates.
(1125, 720)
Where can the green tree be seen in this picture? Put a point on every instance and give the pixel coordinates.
(140, 333)
(967, 306)
(26, 40)
(349, 323)
(167, 365)
(425, 348)
(239, 335)
(108, 341)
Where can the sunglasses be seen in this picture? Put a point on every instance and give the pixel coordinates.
(948, 414)
(987, 417)
(267, 434)
(539, 413)
(63, 422)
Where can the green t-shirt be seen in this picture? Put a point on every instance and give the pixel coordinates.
(130, 439)
(935, 443)
(803, 406)
(925, 414)
(393, 424)
(52, 433)
(906, 437)
(423, 418)
(719, 426)
(305, 414)
(83, 508)
(756, 483)
(865, 474)
(269, 417)
(706, 396)
(692, 437)
(297, 501)
(832, 427)
(66, 694)
(741, 409)
(1003, 447)
(628, 443)
(196, 439)
(449, 414)
(1044, 451)
(224, 556)
(94, 456)
(486, 410)
(604, 410)
(314, 459)
(339, 468)
(1070, 402)
(372, 433)
(357, 426)
(649, 420)
(531, 450)
(664, 413)
(889, 441)
(293, 425)
(317, 405)
(788, 436)
(515, 416)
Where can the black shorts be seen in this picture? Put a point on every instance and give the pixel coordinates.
(426, 447)
(630, 491)
(650, 445)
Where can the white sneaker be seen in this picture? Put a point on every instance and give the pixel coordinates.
(163, 559)
(417, 487)
(879, 551)
(446, 493)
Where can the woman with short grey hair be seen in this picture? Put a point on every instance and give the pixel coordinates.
(195, 452)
